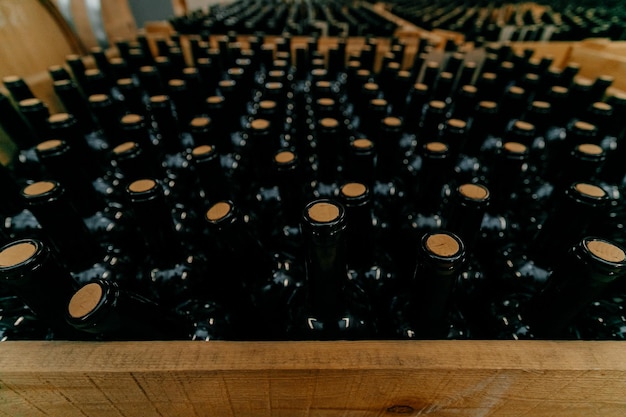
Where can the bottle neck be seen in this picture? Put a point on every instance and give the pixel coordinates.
(154, 220)
(440, 257)
(360, 238)
(326, 261)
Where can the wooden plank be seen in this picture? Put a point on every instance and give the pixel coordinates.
(443, 378)
(559, 51)
(600, 58)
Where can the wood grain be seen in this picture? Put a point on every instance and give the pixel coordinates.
(443, 378)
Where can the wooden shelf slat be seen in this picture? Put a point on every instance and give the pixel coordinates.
(372, 378)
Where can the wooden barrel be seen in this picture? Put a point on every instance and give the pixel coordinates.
(98, 22)
(34, 36)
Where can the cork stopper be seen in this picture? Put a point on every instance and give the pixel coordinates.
(200, 121)
(514, 147)
(202, 150)
(437, 104)
(474, 191)
(469, 89)
(273, 85)
(329, 122)
(525, 126)
(10, 79)
(29, 102)
(124, 147)
(404, 74)
(590, 149)
(218, 211)
(62, 83)
(259, 124)
(353, 189)
(85, 300)
(91, 72)
(392, 121)
(362, 143)
(420, 87)
(58, 118)
(319, 72)
(363, 73)
(267, 104)
(141, 186)
(370, 86)
(584, 126)
(489, 76)
(531, 76)
(378, 102)
(322, 84)
(583, 82)
(485, 104)
(558, 89)
(284, 157)
(147, 68)
(600, 105)
(442, 245)
(190, 71)
(457, 123)
(326, 102)
(606, 251)
(16, 254)
(176, 83)
(49, 144)
(515, 90)
(98, 98)
(323, 212)
(544, 105)
(131, 119)
(161, 98)
(437, 147)
(215, 99)
(125, 81)
(590, 190)
(276, 73)
(38, 188)
(227, 83)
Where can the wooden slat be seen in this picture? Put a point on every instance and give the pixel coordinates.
(599, 57)
(443, 378)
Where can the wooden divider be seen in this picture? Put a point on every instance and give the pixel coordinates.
(99, 22)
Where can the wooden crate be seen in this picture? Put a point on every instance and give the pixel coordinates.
(326, 379)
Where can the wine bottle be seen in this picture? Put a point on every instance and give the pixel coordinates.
(328, 306)
(426, 310)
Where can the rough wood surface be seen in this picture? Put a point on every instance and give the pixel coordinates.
(442, 378)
